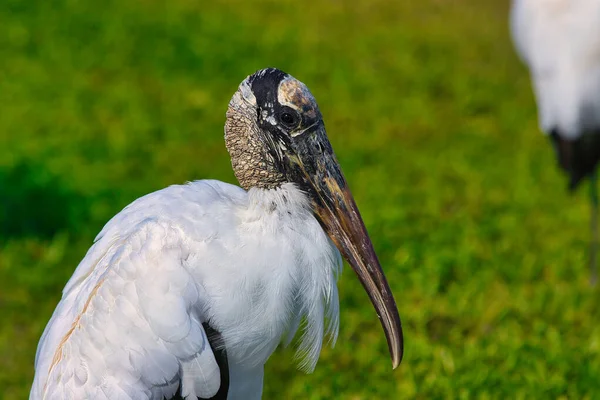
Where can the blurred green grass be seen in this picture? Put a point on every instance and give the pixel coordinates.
(431, 116)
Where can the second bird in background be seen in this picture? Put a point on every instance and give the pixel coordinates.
(559, 40)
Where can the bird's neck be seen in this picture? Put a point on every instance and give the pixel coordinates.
(291, 276)
(283, 201)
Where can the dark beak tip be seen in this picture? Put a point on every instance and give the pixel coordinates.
(396, 361)
(392, 326)
(398, 356)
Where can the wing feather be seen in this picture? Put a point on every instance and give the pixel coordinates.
(129, 325)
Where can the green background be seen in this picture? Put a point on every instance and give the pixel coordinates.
(431, 116)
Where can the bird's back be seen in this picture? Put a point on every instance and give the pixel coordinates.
(559, 40)
(131, 291)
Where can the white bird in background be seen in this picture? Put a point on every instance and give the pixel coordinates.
(559, 40)
(188, 290)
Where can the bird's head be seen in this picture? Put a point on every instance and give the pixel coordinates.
(275, 134)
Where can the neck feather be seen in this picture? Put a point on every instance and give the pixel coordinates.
(286, 199)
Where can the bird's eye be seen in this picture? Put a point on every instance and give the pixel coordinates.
(289, 119)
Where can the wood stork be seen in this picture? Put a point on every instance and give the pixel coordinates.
(559, 40)
(188, 290)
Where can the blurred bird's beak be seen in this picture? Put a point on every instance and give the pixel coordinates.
(564, 154)
(335, 208)
(577, 157)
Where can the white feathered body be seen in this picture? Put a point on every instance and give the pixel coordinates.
(250, 264)
(559, 40)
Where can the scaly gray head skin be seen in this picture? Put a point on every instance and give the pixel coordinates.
(275, 134)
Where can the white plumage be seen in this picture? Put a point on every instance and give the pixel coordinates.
(161, 267)
(559, 40)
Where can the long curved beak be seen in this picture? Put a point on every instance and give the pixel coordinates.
(336, 209)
